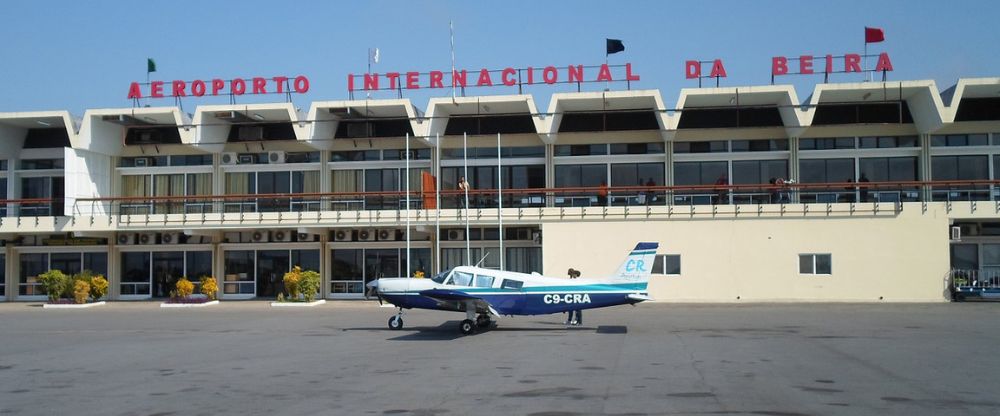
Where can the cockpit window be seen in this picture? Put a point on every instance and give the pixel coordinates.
(483, 280)
(461, 279)
(441, 276)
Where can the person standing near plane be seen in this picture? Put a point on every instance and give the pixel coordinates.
(575, 315)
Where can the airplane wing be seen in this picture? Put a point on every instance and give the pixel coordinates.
(636, 298)
(459, 300)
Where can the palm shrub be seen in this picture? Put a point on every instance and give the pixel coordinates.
(184, 287)
(55, 283)
(209, 287)
(80, 290)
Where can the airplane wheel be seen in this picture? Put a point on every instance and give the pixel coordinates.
(483, 321)
(467, 327)
(395, 323)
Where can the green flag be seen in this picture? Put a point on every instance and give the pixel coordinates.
(150, 65)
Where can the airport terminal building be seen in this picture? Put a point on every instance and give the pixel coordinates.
(869, 191)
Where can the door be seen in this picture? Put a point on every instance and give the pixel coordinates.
(381, 263)
(271, 268)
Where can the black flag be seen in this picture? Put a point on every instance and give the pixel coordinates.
(615, 46)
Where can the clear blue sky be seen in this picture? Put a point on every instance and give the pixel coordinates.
(76, 55)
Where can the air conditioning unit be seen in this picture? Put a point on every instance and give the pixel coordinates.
(456, 235)
(259, 236)
(342, 235)
(245, 159)
(386, 234)
(303, 237)
(125, 239)
(170, 238)
(536, 237)
(146, 238)
(284, 236)
(366, 235)
(956, 233)
(141, 162)
(276, 157)
(229, 158)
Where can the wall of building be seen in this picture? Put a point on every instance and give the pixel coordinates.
(895, 258)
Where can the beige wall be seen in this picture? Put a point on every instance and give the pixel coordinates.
(900, 258)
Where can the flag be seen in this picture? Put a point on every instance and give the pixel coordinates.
(150, 65)
(874, 35)
(615, 46)
(376, 56)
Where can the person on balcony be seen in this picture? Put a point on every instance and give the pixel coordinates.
(463, 188)
(602, 194)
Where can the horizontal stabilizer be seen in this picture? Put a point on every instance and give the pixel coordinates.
(636, 298)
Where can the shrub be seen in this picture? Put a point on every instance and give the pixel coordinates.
(55, 283)
(309, 284)
(80, 291)
(98, 288)
(184, 287)
(291, 280)
(209, 287)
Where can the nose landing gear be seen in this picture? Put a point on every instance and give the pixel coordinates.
(396, 321)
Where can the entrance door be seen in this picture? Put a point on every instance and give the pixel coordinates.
(381, 263)
(271, 268)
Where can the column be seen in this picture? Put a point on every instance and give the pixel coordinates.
(793, 164)
(550, 173)
(925, 164)
(324, 264)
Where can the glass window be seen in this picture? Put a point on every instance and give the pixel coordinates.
(750, 172)
(39, 164)
(580, 175)
(484, 280)
(815, 263)
(945, 168)
(636, 174)
(461, 279)
(883, 169)
(827, 143)
(636, 148)
(199, 264)
(69, 263)
(715, 146)
(965, 256)
(700, 173)
(765, 145)
(239, 272)
(581, 149)
(667, 264)
(826, 170)
(32, 265)
(511, 284)
(523, 259)
(96, 262)
(135, 273)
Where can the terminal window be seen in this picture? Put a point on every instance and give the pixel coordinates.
(667, 264)
(815, 263)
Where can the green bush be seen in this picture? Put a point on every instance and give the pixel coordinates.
(55, 283)
(291, 280)
(84, 276)
(309, 284)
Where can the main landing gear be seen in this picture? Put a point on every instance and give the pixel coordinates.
(469, 327)
(396, 321)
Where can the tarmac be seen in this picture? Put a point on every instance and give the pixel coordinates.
(246, 358)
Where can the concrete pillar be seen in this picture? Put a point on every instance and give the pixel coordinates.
(10, 272)
(793, 164)
(114, 273)
(925, 165)
(324, 264)
(550, 173)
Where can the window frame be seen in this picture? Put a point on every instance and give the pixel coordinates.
(814, 270)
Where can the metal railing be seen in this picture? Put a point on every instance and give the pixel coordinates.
(967, 284)
(686, 195)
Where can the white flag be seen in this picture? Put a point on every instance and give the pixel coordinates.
(375, 56)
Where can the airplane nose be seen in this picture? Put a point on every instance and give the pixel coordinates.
(372, 284)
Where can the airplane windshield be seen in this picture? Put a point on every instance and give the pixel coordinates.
(441, 276)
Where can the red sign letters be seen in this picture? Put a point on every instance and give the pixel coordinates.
(237, 86)
(486, 78)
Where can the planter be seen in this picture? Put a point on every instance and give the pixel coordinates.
(188, 305)
(297, 304)
(72, 305)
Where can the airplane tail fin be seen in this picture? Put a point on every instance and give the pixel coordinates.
(638, 265)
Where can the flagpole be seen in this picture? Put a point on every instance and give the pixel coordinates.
(865, 62)
(408, 269)
(437, 202)
(465, 158)
(500, 197)
(451, 31)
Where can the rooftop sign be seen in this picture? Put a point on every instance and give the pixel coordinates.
(509, 76)
(216, 87)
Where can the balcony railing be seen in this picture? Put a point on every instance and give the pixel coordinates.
(754, 194)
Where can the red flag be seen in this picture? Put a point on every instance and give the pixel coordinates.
(874, 35)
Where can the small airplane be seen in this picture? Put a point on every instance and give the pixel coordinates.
(484, 293)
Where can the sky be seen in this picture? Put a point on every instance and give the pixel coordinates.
(76, 55)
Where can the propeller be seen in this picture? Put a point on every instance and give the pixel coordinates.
(370, 290)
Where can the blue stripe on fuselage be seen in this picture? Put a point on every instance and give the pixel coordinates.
(518, 303)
